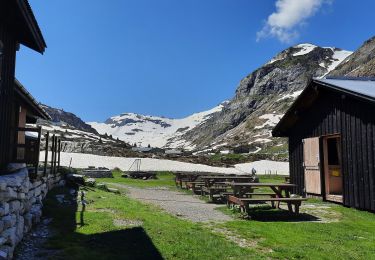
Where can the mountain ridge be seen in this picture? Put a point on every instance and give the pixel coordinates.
(144, 130)
(259, 101)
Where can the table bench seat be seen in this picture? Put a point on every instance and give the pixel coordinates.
(244, 202)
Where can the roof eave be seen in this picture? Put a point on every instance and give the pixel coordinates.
(38, 43)
(345, 91)
(276, 131)
(30, 100)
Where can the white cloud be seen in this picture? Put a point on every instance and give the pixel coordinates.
(289, 15)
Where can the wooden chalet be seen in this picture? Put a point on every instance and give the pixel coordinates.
(331, 131)
(17, 106)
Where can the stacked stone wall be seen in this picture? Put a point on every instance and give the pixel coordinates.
(21, 202)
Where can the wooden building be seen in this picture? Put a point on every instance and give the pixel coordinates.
(331, 131)
(17, 26)
(27, 140)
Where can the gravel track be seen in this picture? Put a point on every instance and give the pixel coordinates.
(177, 203)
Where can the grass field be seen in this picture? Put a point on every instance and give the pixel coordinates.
(164, 179)
(116, 227)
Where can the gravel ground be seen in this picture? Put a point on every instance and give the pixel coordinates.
(32, 246)
(177, 203)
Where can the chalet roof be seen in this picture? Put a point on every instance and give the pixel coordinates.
(19, 16)
(362, 88)
(25, 96)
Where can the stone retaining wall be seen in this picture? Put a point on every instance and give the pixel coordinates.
(97, 173)
(21, 206)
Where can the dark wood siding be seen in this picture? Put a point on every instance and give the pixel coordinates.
(354, 119)
(7, 120)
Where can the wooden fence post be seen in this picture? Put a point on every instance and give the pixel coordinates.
(55, 158)
(59, 151)
(46, 154)
(52, 153)
(38, 150)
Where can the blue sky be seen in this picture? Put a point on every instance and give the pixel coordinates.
(172, 58)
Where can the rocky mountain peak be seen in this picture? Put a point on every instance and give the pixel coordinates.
(265, 94)
(154, 130)
(61, 116)
(360, 64)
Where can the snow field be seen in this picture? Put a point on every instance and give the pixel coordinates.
(80, 160)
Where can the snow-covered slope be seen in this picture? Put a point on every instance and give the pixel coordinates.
(153, 130)
(80, 160)
(338, 57)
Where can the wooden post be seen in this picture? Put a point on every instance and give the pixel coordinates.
(46, 154)
(59, 151)
(52, 152)
(55, 155)
(38, 150)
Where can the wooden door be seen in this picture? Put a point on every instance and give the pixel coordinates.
(311, 163)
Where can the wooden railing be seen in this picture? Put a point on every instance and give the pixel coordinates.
(55, 154)
(27, 150)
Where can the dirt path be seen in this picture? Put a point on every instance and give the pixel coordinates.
(177, 203)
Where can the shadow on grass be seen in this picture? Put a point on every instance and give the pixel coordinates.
(266, 213)
(128, 243)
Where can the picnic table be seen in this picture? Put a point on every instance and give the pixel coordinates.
(277, 188)
(215, 186)
(281, 193)
(180, 178)
(211, 180)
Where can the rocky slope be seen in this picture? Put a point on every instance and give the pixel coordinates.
(261, 99)
(60, 116)
(360, 64)
(79, 137)
(78, 141)
(155, 131)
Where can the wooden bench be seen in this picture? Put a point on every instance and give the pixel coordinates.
(244, 202)
(249, 195)
(213, 190)
(195, 186)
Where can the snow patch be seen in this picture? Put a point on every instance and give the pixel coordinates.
(264, 167)
(292, 95)
(262, 140)
(257, 150)
(337, 57)
(305, 48)
(80, 160)
(272, 120)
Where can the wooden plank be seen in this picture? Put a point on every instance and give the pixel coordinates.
(311, 159)
(365, 148)
(372, 166)
(272, 199)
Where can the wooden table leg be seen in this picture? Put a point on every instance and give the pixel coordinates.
(290, 208)
(278, 195)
